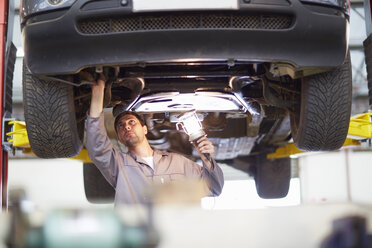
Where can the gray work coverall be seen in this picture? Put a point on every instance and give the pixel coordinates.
(130, 175)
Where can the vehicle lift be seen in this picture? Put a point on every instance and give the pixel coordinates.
(5, 44)
(14, 134)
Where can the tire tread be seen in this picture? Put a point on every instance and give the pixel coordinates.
(325, 119)
(50, 117)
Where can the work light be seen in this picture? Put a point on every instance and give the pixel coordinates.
(191, 125)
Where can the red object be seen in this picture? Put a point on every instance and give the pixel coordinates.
(3, 154)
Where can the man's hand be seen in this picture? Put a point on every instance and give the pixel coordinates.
(98, 90)
(205, 146)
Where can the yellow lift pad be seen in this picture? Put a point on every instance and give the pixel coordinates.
(360, 127)
(18, 135)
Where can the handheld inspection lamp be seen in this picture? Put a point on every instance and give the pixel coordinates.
(191, 125)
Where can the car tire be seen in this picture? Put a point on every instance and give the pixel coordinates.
(368, 58)
(50, 117)
(321, 121)
(272, 177)
(97, 189)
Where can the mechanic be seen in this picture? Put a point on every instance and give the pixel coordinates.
(132, 172)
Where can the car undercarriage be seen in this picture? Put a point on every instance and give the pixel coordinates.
(258, 75)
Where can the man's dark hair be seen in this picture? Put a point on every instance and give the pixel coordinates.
(138, 116)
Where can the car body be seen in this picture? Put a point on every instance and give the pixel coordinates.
(106, 32)
(257, 72)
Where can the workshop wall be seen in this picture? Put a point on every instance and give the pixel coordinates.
(343, 176)
(49, 183)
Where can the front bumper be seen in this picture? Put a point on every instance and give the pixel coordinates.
(63, 44)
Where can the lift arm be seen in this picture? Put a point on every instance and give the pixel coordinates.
(19, 139)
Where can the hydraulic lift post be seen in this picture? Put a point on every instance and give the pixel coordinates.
(4, 10)
(3, 154)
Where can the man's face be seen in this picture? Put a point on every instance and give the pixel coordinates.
(130, 131)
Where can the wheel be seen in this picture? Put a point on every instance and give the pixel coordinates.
(272, 177)
(368, 58)
(50, 117)
(97, 189)
(321, 121)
